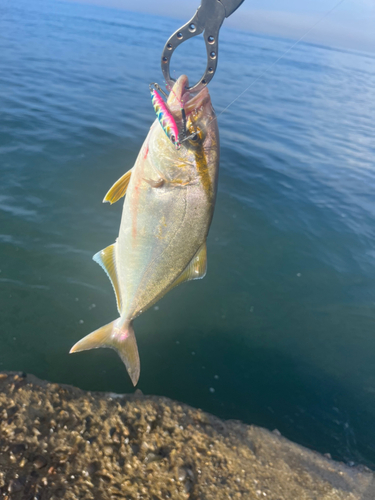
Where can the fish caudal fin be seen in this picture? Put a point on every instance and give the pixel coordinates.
(118, 335)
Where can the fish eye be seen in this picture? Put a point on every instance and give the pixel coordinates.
(196, 134)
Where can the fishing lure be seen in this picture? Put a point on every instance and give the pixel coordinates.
(164, 115)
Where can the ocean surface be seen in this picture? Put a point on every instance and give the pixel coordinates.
(281, 332)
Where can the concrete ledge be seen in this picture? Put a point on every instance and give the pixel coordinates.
(57, 441)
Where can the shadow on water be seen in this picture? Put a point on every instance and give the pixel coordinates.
(270, 389)
(228, 377)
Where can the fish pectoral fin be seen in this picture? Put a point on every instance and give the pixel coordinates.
(196, 269)
(118, 189)
(155, 184)
(118, 335)
(106, 259)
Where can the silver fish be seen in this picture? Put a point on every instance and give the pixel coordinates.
(168, 208)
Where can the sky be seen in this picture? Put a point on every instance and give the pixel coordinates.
(351, 25)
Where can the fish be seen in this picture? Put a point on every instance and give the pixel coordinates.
(168, 209)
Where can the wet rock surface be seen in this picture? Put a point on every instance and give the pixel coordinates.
(57, 441)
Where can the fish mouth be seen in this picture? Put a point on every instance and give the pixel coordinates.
(196, 101)
(182, 97)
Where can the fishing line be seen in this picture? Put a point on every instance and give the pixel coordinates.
(265, 71)
(278, 59)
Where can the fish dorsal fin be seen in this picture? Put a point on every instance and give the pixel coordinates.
(118, 189)
(196, 269)
(106, 258)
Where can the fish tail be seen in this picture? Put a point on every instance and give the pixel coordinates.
(118, 335)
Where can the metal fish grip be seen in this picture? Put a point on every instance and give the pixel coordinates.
(208, 18)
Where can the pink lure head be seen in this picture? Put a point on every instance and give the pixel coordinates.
(165, 118)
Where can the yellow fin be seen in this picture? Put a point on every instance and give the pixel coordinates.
(118, 335)
(118, 189)
(195, 270)
(106, 259)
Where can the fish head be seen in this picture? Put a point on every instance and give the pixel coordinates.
(199, 147)
(201, 123)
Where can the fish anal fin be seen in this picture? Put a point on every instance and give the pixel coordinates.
(106, 258)
(196, 269)
(118, 189)
(118, 335)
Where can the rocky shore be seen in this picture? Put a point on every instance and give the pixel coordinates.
(57, 441)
